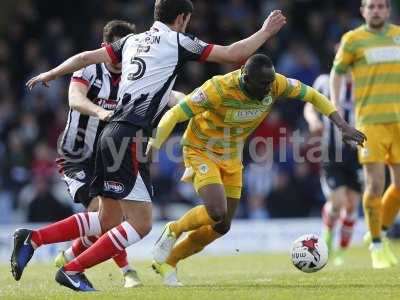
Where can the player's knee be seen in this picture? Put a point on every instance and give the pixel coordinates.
(218, 214)
(108, 221)
(143, 229)
(375, 187)
(93, 205)
(222, 227)
(351, 205)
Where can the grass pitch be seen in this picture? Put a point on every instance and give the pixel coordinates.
(242, 276)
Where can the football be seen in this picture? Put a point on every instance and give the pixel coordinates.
(309, 253)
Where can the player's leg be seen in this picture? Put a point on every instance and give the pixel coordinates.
(207, 181)
(373, 157)
(331, 214)
(390, 208)
(196, 240)
(349, 217)
(213, 210)
(193, 243)
(333, 186)
(131, 278)
(80, 244)
(124, 177)
(374, 186)
(137, 224)
(347, 222)
(78, 225)
(113, 242)
(391, 198)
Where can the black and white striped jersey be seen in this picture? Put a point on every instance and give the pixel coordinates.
(150, 63)
(332, 138)
(82, 132)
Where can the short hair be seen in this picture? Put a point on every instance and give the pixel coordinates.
(257, 62)
(166, 11)
(117, 28)
(364, 2)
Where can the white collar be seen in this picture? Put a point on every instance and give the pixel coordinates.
(160, 26)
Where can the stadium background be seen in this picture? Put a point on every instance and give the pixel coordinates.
(36, 35)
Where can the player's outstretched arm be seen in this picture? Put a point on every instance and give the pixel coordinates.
(72, 64)
(78, 101)
(166, 126)
(242, 49)
(349, 133)
(324, 106)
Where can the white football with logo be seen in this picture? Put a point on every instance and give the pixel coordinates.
(309, 253)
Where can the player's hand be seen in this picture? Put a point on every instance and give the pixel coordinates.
(350, 134)
(275, 21)
(105, 115)
(43, 78)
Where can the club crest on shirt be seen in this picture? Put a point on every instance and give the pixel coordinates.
(203, 168)
(267, 100)
(81, 175)
(199, 97)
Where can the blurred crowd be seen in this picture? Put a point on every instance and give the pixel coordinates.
(37, 35)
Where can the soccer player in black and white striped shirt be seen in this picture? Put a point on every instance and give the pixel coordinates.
(341, 176)
(92, 99)
(150, 63)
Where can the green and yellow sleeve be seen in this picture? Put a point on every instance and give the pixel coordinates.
(344, 56)
(202, 99)
(167, 124)
(295, 89)
(320, 102)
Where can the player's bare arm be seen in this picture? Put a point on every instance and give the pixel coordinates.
(335, 84)
(241, 50)
(79, 102)
(72, 64)
(315, 125)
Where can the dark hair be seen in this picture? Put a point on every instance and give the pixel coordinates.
(166, 11)
(257, 62)
(117, 28)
